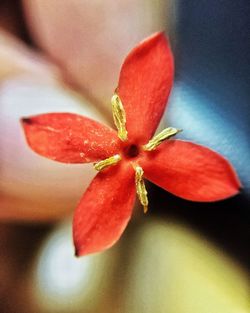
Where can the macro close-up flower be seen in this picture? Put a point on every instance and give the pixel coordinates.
(43, 71)
(124, 154)
(124, 158)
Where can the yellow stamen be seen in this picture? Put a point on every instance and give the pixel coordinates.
(119, 117)
(140, 188)
(158, 139)
(113, 160)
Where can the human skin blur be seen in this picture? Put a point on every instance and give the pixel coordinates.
(99, 34)
(33, 188)
(88, 58)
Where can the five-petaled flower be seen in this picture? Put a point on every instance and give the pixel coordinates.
(123, 158)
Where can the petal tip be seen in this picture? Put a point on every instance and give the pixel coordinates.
(26, 121)
(79, 251)
(155, 38)
(83, 250)
(238, 187)
(77, 254)
(158, 35)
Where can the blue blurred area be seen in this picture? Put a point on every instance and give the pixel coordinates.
(211, 98)
(211, 103)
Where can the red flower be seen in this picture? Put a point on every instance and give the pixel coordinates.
(186, 169)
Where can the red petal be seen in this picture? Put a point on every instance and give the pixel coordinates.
(191, 171)
(70, 138)
(104, 210)
(145, 83)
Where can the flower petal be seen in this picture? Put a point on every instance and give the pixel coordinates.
(69, 138)
(144, 85)
(34, 188)
(191, 171)
(104, 210)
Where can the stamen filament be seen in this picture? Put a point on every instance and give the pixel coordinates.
(113, 160)
(159, 138)
(119, 117)
(141, 188)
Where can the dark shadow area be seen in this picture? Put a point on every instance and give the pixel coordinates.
(226, 223)
(12, 18)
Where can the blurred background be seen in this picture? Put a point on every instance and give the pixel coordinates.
(182, 257)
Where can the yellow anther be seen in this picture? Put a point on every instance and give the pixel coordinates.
(119, 117)
(140, 188)
(113, 160)
(159, 138)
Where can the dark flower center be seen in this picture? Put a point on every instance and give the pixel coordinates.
(131, 151)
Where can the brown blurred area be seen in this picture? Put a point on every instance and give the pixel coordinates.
(12, 19)
(162, 263)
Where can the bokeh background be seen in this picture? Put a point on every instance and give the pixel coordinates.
(58, 55)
